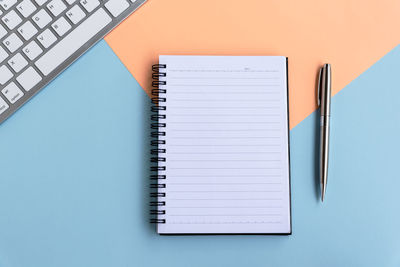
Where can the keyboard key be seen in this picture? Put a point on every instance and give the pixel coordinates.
(3, 32)
(70, 2)
(12, 42)
(90, 5)
(56, 7)
(47, 38)
(73, 41)
(11, 19)
(61, 26)
(17, 62)
(116, 7)
(42, 18)
(3, 105)
(29, 78)
(3, 54)
(12, 92)
(40, 2)
(32, 50)
(27, 30)
(26, 8)
(7, 4)
(5, 74)
(75, 14)
(133, 1)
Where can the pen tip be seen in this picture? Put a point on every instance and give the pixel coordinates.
(322, 195)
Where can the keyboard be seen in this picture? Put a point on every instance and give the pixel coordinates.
(40, 38)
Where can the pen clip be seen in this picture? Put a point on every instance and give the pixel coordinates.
(319, 88)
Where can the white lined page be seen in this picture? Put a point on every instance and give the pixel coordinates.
(226, 145)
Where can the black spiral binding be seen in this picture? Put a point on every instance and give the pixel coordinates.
(158, 145)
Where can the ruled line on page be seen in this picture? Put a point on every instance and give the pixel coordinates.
(225, 115)
(225, 207)
(222, 153)
(213, 199)
(228, 222)
(223, 78)
(229, 108)
(225, 122)
(218, 145)
(225, 130)
(230, 176)
(225, 85)
(274, 181)
(225, 191)
(225, 215)
(229, 91)
(224, 137)
(220, 70)
(225, 160)
(247, 183)
(220, 100)
(224, 168)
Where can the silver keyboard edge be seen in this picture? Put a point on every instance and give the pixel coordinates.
(78, 53)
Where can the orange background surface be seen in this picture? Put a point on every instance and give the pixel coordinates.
(349, 34)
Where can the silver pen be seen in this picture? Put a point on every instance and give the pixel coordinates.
(324, 102)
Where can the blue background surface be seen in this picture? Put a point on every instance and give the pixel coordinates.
(74, 180)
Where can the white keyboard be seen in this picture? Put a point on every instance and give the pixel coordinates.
(40, 38)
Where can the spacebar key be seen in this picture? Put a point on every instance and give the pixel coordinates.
(72, 42)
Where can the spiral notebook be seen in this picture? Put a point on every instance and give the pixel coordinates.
(221, 145)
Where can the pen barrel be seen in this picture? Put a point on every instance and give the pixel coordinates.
(324, 150)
